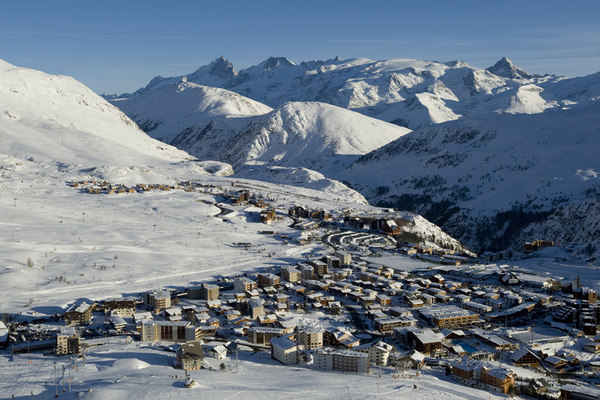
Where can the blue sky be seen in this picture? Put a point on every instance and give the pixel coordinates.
(118, 46)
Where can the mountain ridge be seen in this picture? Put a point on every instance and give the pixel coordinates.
(390, 89)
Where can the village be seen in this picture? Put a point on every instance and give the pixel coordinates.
(479, 318)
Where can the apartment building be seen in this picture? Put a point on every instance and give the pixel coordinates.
(341, 360)
(79, 314)
(157, 299)
(310, 337)
(244, 284)
(169, 331)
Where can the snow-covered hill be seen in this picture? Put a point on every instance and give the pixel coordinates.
(172, 108)
(411, 93)
(307, 178)
(316, 136)
(57, 118)
(489, 169)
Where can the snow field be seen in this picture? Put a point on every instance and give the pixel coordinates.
(137, 371)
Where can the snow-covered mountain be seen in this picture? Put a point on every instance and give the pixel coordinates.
(411, 93)
(172, 108)
(58, 118)
(484, 178)
(310, 135)
(507, 69)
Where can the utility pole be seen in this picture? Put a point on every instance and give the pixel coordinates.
(64, 378)
(55, 387)
(83, 349)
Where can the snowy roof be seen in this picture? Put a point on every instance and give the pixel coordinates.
(428, 336)
(518, 354)
(283, 343)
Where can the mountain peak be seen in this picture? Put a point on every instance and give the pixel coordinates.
(222, 68)
(276, 62)
(505, 68)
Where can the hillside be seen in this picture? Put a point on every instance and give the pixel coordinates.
(316, 136)
(172, 108)
(57, 118)
(411, 93)
(472, 176)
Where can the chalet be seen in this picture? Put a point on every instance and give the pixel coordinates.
(556, 362)
(524, 356)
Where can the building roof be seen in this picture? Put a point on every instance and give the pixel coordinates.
(520, 353)
(283, 343)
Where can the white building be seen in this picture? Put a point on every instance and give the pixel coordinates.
(341, 360)
(284, 350)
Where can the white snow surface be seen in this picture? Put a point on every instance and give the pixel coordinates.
(150, 374)
(490, 162)
(170, 109)
(306, 178)
(58, 118)
(316, 136)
